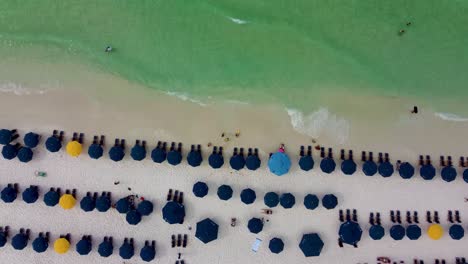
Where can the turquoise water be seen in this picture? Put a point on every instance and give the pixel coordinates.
(293, 52)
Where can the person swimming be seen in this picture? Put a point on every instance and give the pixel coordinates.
(401, 32)
(108, 49)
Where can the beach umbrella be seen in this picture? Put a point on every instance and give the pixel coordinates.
(40, 244)
(329, 201)
(348, 167)
(74, 148)
(369, 168)
(173, 213)
(174, 157)
(306, 163)
(67, 201)
(116, 153)
(255, 225)
(194, 158)
(427, 171)
(287, 200)
(448, 173)
(138, 152)
(53, 144)
(327, 165)
(95, 151)
(276, 245)
(216, 160)
(435, 231)
(25, 154)
(385, 169)
(237, 162)
(148, 252)
(456, 232)
(311, 245)
(207, 230)
(311, 201)
(6, 136)
(31, 194)
(88, 203)
(126, 250)
(376, 232)
(279, 163)
(123, 205)
(413, 232)
(465, 175)
(224, 192)
(397, 232)
(9, 151)
(248, 196)
(3, 238)
(51, 198)
(200, 189)
(103, 203)
(31, 140)
(406, 170)
(106, 248)
(9, 194)
(158, 155)
(252, 162)
(19, 241)
(271, 199)
(84, 246)
(350, 232)
(145, 207)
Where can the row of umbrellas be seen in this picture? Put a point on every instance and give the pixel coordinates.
(83, 247)
(11, 151)
(414, 232)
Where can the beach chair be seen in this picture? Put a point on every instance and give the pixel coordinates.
(256, 245)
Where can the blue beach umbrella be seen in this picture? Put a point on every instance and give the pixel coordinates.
(51, 198)
(237, 162)
(397, 232)
(174, 157)
(448, 173)
(106, 248)
(427, 171)
(95, 151)
(116, 153)
(173, 213)
(276, 245)
(40, 244)
(348, 167)
(224, 192)
(465, 175)
(6, 136)
(207, 230)
(158, 155)
(311, 201)
(103, 203)
(385, 169)
(248, 196)
(271, 199)
(216, 160)
(126, 250)
(31, 194)
(53, 144)
(9, 194)
(148, 252)
(279, 163)
(25, 154)
(3, 238)
(194, 158)
(287, 200)
(329, 201)
(376, 232)
(252, 162)
(406, 170)
(200, 189)
(311, 245)
(84, 246)
(31, 140)
(456, 232)
(255, 225)
(369, 168)
(413, 232)
(138, 152)
(350, 232)
(327, 165)
(9, 151)
(145, 207)
(123, 205)
(306, 163)
(19, 241)
(88, 203)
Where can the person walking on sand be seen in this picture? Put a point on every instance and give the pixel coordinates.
(281, 148)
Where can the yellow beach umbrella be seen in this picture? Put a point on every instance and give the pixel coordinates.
(61, 245)
(435, 231)
(74, 148)
(67, 201)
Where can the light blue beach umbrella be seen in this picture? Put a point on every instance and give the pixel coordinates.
(279, 163)
(406, 170)
(31, 140)
(448, 173)
(25, 154)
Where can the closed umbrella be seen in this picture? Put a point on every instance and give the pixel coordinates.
(31, 194)
(95, 151)
(397, 232)
(369, 168)
(74, 148)
(385, 169)
(127, 250)
(448, 173)
(116, 153)
(25, 154)
(255, 225)
(329, 201)
(311, 201)
(224, 192)
(435, 231)
(456, 232)
(31, 140)
(53, 144)
(9, 151)
(327, 165)
(287, 200)
(271, 199)
(348, 167)
(406, 170)
(413, 232)
(9, 194)
(427, 171)
(311, 245)
(276, 245)
(84, 246)
(173, 213)
(67, 201)
(200, 189)
(138, 152)
(148, 252)
(51, 198)
(40, 244)
(279, 163)
(248, 196)
(376, 232)
(306, 163)
(145, 207)
(103, 203)
(123, 205)
(350, 232)
(106, 248)
(207, 230)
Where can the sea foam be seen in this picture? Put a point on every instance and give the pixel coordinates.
(320, 122)
(237, 21)
(18, 89)
(185, 97)
(451, 117)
